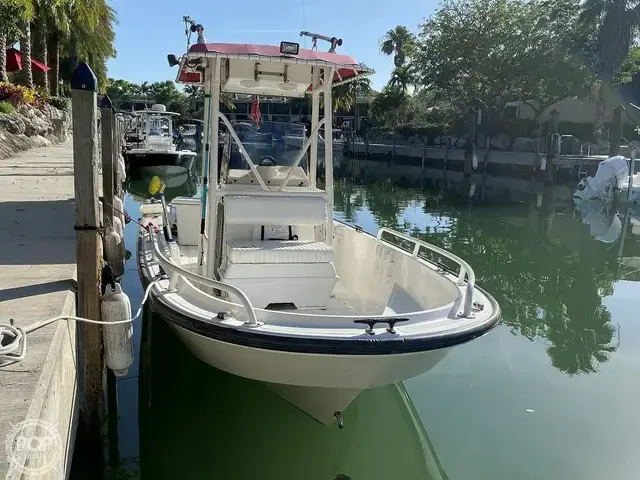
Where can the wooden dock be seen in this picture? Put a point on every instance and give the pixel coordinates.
(417, 154)
(37, 282)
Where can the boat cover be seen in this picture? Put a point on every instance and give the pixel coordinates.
(612, 172)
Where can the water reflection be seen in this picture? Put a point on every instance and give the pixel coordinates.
(555, 269)
(548, 266)
(179, 182)
(198, 422)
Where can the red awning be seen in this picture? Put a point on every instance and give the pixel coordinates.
(14, 62)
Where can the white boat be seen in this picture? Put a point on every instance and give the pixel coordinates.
(296, 141)
(156, 147)
(614, 178)
(267, 286)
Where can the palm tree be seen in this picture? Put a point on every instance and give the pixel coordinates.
(90, 37)
(401, 77)
(51, 25)
(397, 42)
(145, 89)
(26, 75)
(193, 91)
(345, 95)
(3, 57)
(12, 15)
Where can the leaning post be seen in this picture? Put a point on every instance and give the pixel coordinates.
(424, 153)
(552, 144)
(88, 257)
(616, 131)
(470, 143)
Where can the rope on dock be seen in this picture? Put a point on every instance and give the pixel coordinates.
(13, 340)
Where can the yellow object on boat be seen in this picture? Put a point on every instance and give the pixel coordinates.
(156, 185)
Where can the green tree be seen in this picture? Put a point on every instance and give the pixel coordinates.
(402, 77)
(397, 42)
(386, 108)
(498, 50)
(120, 91)
(50, 18)
(90, 38)
(164, 92)
(24, 18)
(344, 96)
(615, 22)
(606, 38)
(13, 14)
(145, 89)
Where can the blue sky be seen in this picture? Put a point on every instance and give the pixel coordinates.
(149, 29)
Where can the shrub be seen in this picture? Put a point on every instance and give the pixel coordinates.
(6, 107)
(17, 94)
(61, 103)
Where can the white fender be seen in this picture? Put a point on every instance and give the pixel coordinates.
(122, 169)
(118, 208)
(118, 339)
(114, 251)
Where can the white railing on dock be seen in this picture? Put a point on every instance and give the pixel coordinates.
(465, 270)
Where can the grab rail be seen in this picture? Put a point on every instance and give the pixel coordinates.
(243, 150)
(465, 268)
(172, 267)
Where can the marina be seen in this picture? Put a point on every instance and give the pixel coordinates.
(280, 264)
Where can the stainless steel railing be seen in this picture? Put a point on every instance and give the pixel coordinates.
(465, 270)
(171, 267)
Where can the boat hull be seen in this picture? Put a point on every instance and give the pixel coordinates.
(136, 161)
(318, 384)
(319, 373)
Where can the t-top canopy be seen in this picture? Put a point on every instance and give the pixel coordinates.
(346, 68)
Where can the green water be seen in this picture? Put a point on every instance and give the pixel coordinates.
(551, 393)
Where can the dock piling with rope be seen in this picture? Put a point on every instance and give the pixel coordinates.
(51, 257)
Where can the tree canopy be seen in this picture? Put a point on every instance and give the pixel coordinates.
(500, 50)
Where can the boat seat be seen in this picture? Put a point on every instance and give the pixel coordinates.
(271, 252)
(279, 251)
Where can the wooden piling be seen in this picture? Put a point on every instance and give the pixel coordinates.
(88, 257)
(424, 153)
(470, 143)
(393, 148)
(552, 144)
(487, 153)
(366, 144)
(616, 131)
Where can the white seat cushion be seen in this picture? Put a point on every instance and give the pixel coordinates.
(279, 251)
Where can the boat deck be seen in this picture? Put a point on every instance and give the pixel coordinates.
(335, 306)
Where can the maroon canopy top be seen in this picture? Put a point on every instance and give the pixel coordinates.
(346, 66)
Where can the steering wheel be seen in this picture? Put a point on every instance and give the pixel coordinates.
(267, 161)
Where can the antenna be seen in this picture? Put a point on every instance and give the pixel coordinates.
(334, 41)
(190, 26)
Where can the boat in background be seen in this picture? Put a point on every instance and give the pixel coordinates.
(155, 145)
(260, 280)
(615, 178)
(295, 139)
